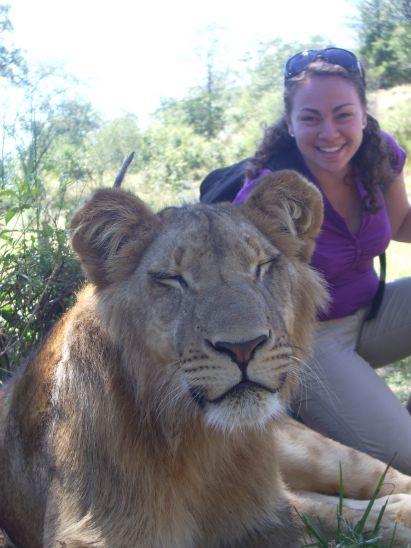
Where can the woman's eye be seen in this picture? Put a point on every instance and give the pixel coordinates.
(343, 115)
(309, 119)
(172, 280)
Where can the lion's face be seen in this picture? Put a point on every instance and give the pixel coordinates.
(212, 312)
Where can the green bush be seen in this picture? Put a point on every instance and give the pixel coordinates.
(38, 277)
(392, 108)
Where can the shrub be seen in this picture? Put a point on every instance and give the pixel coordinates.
(38, 277)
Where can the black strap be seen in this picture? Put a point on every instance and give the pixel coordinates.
(377, 300)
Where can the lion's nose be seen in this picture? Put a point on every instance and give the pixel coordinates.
(240, 352)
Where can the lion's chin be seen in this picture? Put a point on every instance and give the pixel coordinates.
(253, 410)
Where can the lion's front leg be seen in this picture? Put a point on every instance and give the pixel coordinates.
(322, 512)
(311, 462)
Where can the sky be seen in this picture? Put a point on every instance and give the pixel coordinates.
(130, 53)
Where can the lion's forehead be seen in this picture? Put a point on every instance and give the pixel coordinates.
(196, 235)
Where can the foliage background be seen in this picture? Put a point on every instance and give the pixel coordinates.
(55, 148)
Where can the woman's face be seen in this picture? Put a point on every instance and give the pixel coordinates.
(327, 121)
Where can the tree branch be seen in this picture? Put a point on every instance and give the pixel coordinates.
(123, 170)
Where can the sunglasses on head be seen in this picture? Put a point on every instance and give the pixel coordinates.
(335, 56)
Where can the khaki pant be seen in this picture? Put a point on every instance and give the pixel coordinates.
(342, 396)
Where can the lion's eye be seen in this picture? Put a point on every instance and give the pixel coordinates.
(165, 278)
(263, 267)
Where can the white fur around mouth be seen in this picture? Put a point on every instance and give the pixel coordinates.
(253, 412)
(330, 149)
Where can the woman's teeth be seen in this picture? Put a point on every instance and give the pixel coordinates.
(329, 149)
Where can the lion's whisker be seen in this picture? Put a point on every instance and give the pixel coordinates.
(308, 375)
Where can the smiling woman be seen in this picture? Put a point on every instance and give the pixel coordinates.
(327, 123)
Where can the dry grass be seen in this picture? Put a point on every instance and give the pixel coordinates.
(385, 99)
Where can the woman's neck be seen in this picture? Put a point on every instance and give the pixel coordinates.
(328, 180)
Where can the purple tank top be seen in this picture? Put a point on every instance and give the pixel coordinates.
(346, 260)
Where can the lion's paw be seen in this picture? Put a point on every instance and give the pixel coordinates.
(399, 509)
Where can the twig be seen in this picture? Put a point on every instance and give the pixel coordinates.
(123, 170)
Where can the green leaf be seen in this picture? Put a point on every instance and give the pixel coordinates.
(6, 314)
(8, 194)
(6, 238)
(10, 214)
(314, 531)
(361, 524)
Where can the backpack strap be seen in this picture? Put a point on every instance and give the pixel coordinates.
(377, 300)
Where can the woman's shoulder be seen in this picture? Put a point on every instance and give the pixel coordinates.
(397, 154)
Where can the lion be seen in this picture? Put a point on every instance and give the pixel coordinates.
(155, 413)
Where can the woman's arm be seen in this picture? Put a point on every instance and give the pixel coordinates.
(399, 209)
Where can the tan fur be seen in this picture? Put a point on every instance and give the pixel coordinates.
(153, 415)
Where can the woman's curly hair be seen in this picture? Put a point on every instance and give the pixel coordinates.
(372, 161)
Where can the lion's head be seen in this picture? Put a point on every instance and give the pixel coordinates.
(211, 307)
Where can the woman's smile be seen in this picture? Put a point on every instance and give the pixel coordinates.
(327, 120)
(330, 150)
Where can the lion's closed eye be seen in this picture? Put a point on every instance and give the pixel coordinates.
(264, 266)
(169, 279)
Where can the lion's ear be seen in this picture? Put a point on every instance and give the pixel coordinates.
(288, 210)
(110, 232)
